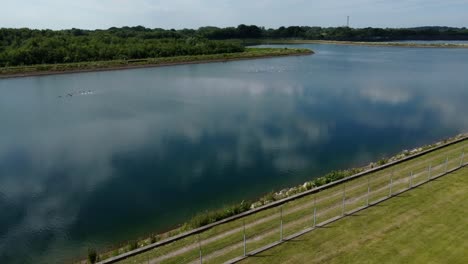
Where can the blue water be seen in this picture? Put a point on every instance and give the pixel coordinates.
(94, 159)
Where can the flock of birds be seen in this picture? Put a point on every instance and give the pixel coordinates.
(71, 94)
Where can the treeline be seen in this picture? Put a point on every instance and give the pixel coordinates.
(335, 33)
(27, 47)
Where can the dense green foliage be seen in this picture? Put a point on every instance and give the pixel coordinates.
(29, 47)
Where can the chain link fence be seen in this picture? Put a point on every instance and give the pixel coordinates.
(233, 241)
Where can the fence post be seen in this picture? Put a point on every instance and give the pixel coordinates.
(344, 198)
(281, 223)
(412, 179)
(446, 164)
(368, 190)
(391, 183)
(315, 211)
(429, 172)
(410, 176)
(461, 158)
(199, 249)
(245, 241)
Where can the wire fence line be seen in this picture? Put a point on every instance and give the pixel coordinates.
(253, 233)
(352, 203)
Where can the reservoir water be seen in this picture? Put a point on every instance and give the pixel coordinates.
(459, 42)
(94, 159)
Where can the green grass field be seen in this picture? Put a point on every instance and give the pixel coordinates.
(224, 242)
(428, 224)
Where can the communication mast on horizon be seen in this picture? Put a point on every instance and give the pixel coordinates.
(347, 22)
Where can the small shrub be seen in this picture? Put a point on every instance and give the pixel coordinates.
(133, 245)
(292, 191)
(308, 185)
(92, 255)
(382, 162)
(209, 217)
(270, 197)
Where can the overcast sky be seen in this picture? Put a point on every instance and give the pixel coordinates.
(92, 14)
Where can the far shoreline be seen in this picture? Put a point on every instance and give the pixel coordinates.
(364, 43)
(263, 54)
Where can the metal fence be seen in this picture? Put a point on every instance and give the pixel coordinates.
(233, 241)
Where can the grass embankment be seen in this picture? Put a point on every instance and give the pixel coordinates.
(224, 241)
(359, 43)
(46, 69)
(426, 225)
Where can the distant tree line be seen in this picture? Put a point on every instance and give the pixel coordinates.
(26, 46)
(335, 33)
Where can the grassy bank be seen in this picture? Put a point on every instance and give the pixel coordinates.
(356, 43)
(224, 242)
(425, 225)
(46, 69)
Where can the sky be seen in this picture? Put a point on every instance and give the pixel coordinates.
(94, 14)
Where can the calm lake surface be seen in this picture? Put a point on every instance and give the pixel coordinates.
(433, 41)
(94, 159)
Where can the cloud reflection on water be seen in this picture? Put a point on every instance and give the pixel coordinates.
(191, 138)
